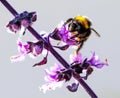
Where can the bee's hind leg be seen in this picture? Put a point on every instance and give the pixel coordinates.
(79, 47)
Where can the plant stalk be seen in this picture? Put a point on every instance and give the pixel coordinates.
(55, 54)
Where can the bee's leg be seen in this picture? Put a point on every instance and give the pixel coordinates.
(79, 47)
(74, 36)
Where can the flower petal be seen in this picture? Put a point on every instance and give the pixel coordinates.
(22, 48)
(17, 58)
(76, 58)
(50, 86)
(44, 61)
(50, 76)
(62, 47)
(95, 61)
(73, 87)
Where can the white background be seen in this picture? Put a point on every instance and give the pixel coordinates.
(21, 80)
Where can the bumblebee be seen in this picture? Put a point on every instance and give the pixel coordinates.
(80, 27)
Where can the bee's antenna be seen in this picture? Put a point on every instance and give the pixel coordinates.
(95, 32)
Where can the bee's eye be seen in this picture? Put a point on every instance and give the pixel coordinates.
(72, 27)
(78, 26)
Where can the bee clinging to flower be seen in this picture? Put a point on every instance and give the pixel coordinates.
(80, 28)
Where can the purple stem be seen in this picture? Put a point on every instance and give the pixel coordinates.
(55, 54)
(36, 35)
(85, 86)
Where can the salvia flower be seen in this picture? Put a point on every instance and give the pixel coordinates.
(52, 79)
(32, 48)
(56, 77)
(24, 19)
(62, 34)
(78, 64)
(93, 61)
(52, 74)
(23, 49)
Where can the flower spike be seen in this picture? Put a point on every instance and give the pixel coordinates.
(70, 34)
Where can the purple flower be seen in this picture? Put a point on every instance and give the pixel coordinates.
(52, 74)
(62, 34)
(79, 64)
(32, 48)
(24, 19)
(58, 75)
(36, 48)
(52, 79)
(23, 50)
(95, 61)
